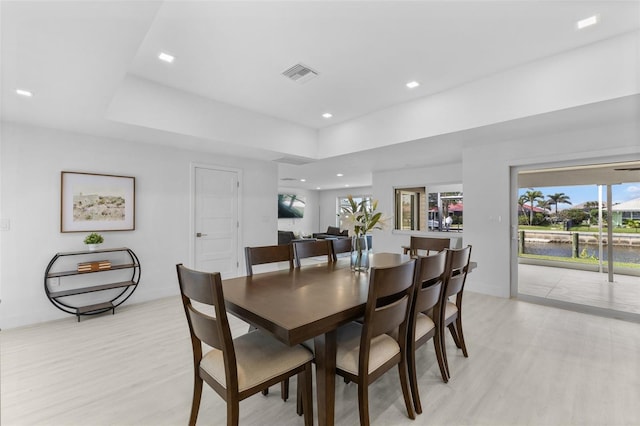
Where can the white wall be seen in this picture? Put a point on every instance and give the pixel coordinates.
(32, 159)
(308, 224)
(490, 199)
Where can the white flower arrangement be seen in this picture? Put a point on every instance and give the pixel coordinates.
(360, 218)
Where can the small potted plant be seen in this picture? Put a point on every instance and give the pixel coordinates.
(93, 240)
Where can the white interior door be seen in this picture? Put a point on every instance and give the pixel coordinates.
(216, 221)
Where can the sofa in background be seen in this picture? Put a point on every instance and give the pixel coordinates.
(332, 232)
(285, 237)
(288, 237)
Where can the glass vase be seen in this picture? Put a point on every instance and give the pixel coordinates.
(359, 254)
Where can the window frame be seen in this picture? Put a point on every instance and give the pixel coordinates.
(432, 206)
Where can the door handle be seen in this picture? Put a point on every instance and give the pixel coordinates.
(200, 234)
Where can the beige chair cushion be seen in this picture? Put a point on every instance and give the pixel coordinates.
(449, 310)
(424, 324)
(383, 348)
(259, 358)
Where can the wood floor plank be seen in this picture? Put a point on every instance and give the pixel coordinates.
(527, 365)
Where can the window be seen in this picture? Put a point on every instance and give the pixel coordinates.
(344, 202)
(410, 209)
(451, 210)
(419, 210)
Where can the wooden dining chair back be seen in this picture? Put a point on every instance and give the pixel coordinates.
(306, 249)
(457, 268)
(427, 245)
(365, 351)
(267, 254)
(339, 246)
(262, 255)
(262, 360)
(428, 292)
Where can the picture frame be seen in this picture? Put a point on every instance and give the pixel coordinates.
(291, 206)
(91, 202)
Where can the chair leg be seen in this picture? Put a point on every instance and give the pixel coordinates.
(413, 379)
(437, 346)
(402, 369)
(284, 388)
(265, 391)
(454, 334)
(233, 411)
(463, 346)
(307, 403)
(363, 403)
(299, 395)
(443, 349)
(195, 403)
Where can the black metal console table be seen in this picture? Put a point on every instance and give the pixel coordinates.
(119, 267)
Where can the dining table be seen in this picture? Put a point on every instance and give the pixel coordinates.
(307, 303)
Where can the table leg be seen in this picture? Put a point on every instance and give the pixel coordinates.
(325, 353)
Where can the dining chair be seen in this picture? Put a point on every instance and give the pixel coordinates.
(306, 249)
(267, 254)
(428, 291)
(241, 367)
(418, 245)
(456, 270)
(262, 255)
(339, 246)
(365, 351)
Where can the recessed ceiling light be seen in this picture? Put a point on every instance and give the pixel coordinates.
(346, 186)
(339, 174)
(166, 57)
(327, 115)
(303, 180)
(23, 92)
(587, 22)
(317, 187)
(413, 84)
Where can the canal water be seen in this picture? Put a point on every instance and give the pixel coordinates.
(624, 254)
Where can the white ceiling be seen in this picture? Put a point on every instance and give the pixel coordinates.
(75, 55)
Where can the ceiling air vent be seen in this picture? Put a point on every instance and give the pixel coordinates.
(300, 73)
(296, 161)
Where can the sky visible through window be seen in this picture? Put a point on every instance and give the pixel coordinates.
(579, 194)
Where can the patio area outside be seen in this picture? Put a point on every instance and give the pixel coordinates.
(583, 291)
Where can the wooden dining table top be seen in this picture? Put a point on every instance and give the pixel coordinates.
(298, 304)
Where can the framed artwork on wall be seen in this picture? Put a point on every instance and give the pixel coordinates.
(290, 206)
(96, 202)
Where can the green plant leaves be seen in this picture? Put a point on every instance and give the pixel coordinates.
(94, 238)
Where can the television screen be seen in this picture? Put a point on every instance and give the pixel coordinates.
(290, 206)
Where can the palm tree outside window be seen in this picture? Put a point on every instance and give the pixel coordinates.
(558, 198)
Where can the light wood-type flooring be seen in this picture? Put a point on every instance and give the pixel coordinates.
(528, 365)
